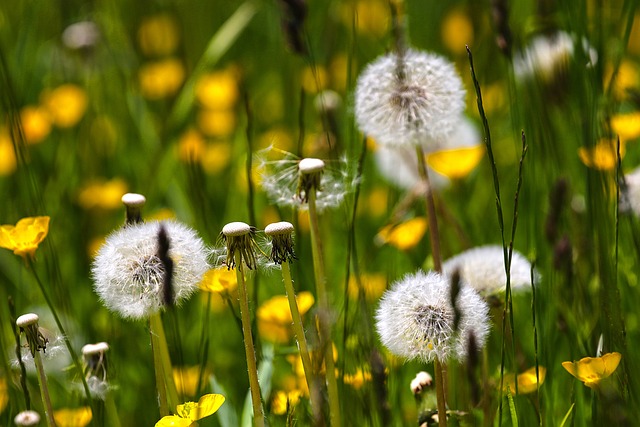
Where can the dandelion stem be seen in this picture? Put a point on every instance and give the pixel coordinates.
(254, 385)
(112, 412)
(44, 389)
(161, 357)
(157, 365)
(321, 290)
(440, 393)
(434, 235)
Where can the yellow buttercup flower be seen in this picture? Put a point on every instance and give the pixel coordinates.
(8, 161)
(190, 412)
(274, 316)
(357, 379)
(457, 31)
(66, 104)
(456, 163)
(626, 79)
(373, 286)
(602, 156)
(283, 399)
(314, 80)
(103, 194)
(158, 35)
(216, 123)
(4, 395)
(219, 280)
(216, 157)
(218, 90)
(191, 146)
(627, 126)
(526, 381)
(372, 17)
(405, 235)
(161, 79)
(36, 124)
(186, 379)
(592, 370)
(23, 238)
(78, 417)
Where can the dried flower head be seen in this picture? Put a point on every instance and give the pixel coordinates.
(483, 269)
(415, 318)
(288, 179)
(281, 234)
(134, 203)
(408, 100)
(128, 274)
(239, 238)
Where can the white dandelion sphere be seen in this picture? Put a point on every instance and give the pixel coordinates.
(128, 274)
(422, 107)
(416, 319)
(483, 269)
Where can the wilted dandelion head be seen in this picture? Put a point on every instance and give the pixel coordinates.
(483, 269)
(287, 179)
(418, 105)
(416, 319)
(128, 274)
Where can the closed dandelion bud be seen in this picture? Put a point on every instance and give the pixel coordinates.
(27, 418)
(134, 203)
(420, 382)
(129, 275)
(415, 318)
(418, 105)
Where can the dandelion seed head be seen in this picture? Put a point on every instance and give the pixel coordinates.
(27, 418)
(415, 318)
(483, 269)
(81, 35)
(423, 379)
(128, 274)
(630, 194)
(419, 108)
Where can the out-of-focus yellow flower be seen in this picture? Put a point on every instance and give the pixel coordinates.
(373, 286)
(190, 412)
(219, 280)
(274, 316)
(592, 370)
(457, 31)
(372, 17)
(8, 161)
(217, 123)
(186, 379)
(493, 98)
(377, 202)
(77, 417)
(314, 81)
(357, 379)
(94, 246)
(216, 157)
(338, 69)
(158, 35)
(161, 79)
(602, 156)
(281, 400)
(627, 78)
(191, 146)
(23, 238)
(4, 396)
(456, 163)
(66, 104)
(103, 194)
(162, 214)
(634, 38)
(36, 124)
(527, 382)
(218, 91)
(627, 126)
(277, 137)
(405, 235)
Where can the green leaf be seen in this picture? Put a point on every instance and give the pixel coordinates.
(512, 408)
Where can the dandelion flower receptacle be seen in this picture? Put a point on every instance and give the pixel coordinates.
(420, 104)
(128, 273)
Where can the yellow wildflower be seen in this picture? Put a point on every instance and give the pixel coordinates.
(158, 35)
(36, 124)
(162, 214)
(373, 286)
(23, 238)
(526, 381)
(161, 79)
(314, 79)
(626, 79)
(217, 91)
(4, 395)
(372, 17)
(66, 104)
(216, 157)
(602, 156)
(216, 123)
(274, 316)
(592, 370)
(219, 280)
(282, 400)
(191, 146)
(627, 126)
(357, 379)
(103, 194)
(186, 379)
(8, 161)
(456, 163)
(78, 417)
(376, 203)
(190, 412)
(457, 31)
(405, 235)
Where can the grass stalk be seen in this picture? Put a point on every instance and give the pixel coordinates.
(162, 360)
(434, 235)
(254, 385)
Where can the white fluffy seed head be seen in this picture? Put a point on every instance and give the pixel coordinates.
(128, 274)
(133, 200)
(416, 319)
(423, 379)
(27, 320)
(630, 194)
(27, 418)
(236, 228)
(310, 165)
(422, 107)
(81, 35)
(91, 349)
(483, 269)
(278, 228)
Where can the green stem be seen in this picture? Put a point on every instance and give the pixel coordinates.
(434, 234)
(440, 394)
(254, 384)
(112, 412)
(159, 373)
(321, 290)
(44, 389)
(157, 332)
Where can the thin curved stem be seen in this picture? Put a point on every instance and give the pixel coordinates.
(44, 389)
